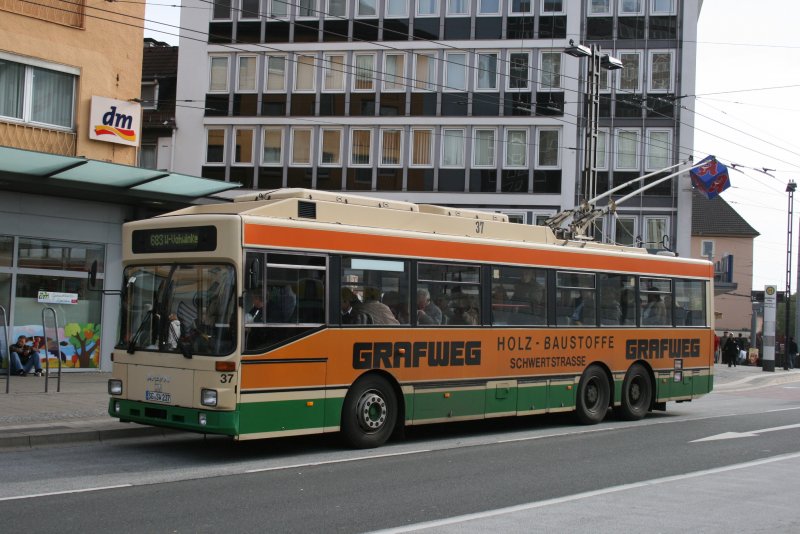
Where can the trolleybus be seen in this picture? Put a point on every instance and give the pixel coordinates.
(299, 312)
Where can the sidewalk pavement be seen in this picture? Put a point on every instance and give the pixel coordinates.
(29, 417)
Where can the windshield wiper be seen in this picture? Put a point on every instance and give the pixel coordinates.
(147, 317)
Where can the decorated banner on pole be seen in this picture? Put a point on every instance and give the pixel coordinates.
(710, 177)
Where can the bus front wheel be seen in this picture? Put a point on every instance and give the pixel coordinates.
(593, 396)
(369, 413)
(637, 393)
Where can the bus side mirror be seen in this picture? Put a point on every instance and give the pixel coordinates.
(93, 274)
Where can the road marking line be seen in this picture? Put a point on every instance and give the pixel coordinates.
(585, 495)
(748, 434)
(342, 460)
(782, 409)
(65, 492)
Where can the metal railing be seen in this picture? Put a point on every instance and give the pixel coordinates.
(57, 345)
(4, 344)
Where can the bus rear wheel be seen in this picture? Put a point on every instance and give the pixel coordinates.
(594, 394)
(637, 393)
(369, 413)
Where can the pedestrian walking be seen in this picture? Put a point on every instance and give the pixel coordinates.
(730, 350)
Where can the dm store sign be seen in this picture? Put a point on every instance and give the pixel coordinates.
(115, 121)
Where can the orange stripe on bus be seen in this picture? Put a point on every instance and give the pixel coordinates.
(325, 240)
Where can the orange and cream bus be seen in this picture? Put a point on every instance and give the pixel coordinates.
(299, 312)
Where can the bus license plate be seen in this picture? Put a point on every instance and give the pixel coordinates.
(157, 396)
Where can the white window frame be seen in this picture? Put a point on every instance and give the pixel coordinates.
(477, 165)
(322, 144)
(646, 238)
(607, 13)
(549, 87)
(412, 147)
(649, 145)
(243, 15)
(513, 13)
(354, 68)
(450, 14)
(650, 55)
(353, 130)
(653, 10)
(605, 132)
(559, 12)
(417, 14)
(286, 5)
(433, 57)
(507, 144)
(336, 17)
(527, 76)
(328, 66)
(403, 77)
(637, 156)
(463, 149)
(294, 130)
(497, 61)
(535, 214)
(360, 16)
(146, 104)
(635, 232)
(640, 73)
(480, 13)
(404, 15)
(239, 69)
(279, 163)
(224, 147)
(266, 73)
(227, 59)
(558, 131)
(380, 147)
(235, 162)
(297, 65)
(229, 17)
(314, 10)
(446, 88)
(621, 13)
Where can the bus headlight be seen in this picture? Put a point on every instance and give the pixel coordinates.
(208, 397)
(114, 386)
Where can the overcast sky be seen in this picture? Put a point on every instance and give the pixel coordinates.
(744, 54)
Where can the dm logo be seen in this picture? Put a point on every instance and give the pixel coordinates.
(115, 121)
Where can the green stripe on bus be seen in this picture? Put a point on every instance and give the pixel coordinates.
(217, 422)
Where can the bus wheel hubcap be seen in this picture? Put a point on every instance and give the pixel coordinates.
(592, 395)
(372, 411)
(635, 393)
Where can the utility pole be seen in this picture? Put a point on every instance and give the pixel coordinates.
(790, 188)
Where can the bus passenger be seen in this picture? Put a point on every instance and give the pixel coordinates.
(427, 311)
(375, 309)
(398, 303)
(655, 312)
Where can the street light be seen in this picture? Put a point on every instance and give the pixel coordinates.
(597, 60)
(790, 188)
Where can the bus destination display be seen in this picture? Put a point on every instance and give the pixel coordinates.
(188, 239)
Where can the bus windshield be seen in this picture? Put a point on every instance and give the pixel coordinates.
(179, 308)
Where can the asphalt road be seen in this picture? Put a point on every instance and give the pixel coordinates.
(728, 461)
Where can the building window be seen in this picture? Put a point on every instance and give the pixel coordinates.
(452, 147)
(360, 147)
(520, 7)
(218, 77)
(551, 70)
(516, 149)
(272, 154)
(331, 147)
(243, 146)
(364, 73)
(484, 148)
(246, 75)
(599, 7)
(307, 8)
(391, 148)
(488, 7)
(149, 96)
(486, 73)
(221, 10)
(276, 74)
(658, 149)
(279, 8)
(455, 77)
(655, 230)
(305, 73)
(627, 150)
(148, 155)
(662, 7)
(631, 7)
(425, 72)
(457, 7)
(215, 146)
(601, 162)
(334, 66)
(366, 8)
(301, 146)
(519, 71)
(251, 9)
(394, 72)
(427, 8)
(421, 148)
(396, 8)
(553, 7)
(630, 78)
(660, 71)
(336, 8)
(548, 148)
(625, 231)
